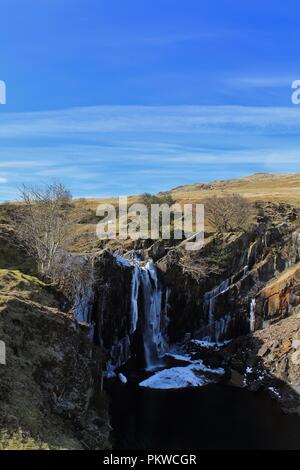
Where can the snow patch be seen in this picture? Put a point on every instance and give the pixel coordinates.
(192, 375)
(179, 357)
(209, 344)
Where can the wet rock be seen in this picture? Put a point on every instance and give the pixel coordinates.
(156, 251)
(236, 379)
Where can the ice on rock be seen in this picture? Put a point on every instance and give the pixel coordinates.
(123, 261)
(122, 378)
(135, 284)
(252, 315)
(217, 327)
(193, 375)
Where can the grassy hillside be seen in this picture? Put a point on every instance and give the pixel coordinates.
(258, 187)
(265, 187)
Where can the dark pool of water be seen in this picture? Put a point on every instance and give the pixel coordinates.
(212, 417)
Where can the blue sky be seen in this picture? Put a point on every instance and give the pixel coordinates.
(116, 97)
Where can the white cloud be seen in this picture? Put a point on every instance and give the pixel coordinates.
(272, 81)
(131, 149)
(98, 120)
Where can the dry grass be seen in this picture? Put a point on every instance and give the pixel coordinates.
(265, 187)
(258, 187)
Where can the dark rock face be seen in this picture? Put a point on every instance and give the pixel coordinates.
(156, 251)
(112, 308)
(257, 284)
(188, 310)
(224, 305)
(269, 359)
(253, 259)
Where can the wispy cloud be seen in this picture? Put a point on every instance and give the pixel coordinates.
(272, 81)
(114, 150)
(101, 120)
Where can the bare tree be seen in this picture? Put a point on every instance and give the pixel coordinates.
(198, 265)
(74, 276)
(229, 213)
(43, 224)
(163, 198)
(197, 268)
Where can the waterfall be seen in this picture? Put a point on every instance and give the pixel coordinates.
(217, 327)
(153, 319)
(252, 314)
(135, 284)
(153, 328)
(149, 304)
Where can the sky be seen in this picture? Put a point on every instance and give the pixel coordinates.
(116, 97)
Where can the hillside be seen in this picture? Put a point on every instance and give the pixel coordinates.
(49, 388)
(258, 187)
(264, 187)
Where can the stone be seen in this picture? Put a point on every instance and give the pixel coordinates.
(236, 379)
(296, 343)
(296, 358)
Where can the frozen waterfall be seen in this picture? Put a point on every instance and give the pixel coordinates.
(153, 317)
(217, 327)
(135, 284)
(153, 328)
(252, 314)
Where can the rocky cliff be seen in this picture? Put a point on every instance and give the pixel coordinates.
(134, 310)
(251, 298)
(269, 358)
(49, 385)
(130, 309)
(220, 305)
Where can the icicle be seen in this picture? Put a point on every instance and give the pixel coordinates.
(154, 317)
(167, 304)
(288, 263)
(83, 303)
(217, 328)
(220, 328)
(134, 298)
(154, 340)
(252, 314)
(245, 270)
